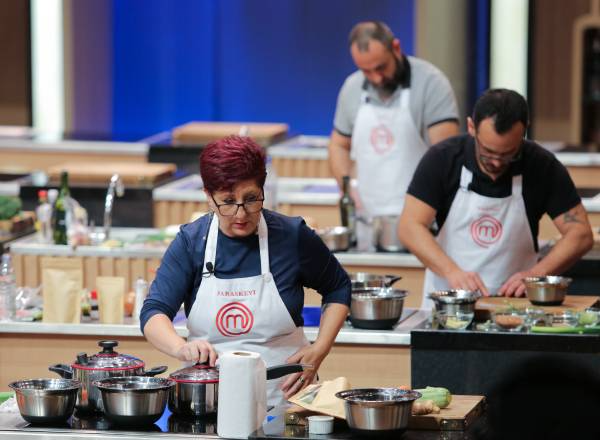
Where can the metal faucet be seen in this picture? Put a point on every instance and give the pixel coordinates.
(115, 187)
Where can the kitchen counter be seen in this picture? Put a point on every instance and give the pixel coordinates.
(469, 361)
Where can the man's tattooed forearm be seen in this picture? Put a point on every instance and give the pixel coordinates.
(571, 217)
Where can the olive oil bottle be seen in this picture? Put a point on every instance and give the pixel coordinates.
(59, 219)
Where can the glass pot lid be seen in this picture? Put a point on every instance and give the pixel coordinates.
(107, 359)
(198, 373)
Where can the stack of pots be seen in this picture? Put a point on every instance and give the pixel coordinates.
(375, 304)
(105, 364)
(454, 300)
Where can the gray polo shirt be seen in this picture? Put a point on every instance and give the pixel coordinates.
(432, 99)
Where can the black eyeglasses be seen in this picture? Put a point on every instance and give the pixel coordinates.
(502, 158)
(230, 209)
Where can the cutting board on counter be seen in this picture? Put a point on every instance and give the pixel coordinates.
(458, 416)
(488, 304)
(203, 132)
(100, 173)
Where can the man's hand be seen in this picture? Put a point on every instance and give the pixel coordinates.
(514, 286)
(459, 279)
(197, 351)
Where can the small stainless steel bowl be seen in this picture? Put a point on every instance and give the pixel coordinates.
(376, 308)
(134, 400)
(454, 301)
(46, 401)
(378, 410)
(547, 291)
(336, 238)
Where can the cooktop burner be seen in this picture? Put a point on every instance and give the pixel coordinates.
(169, 423)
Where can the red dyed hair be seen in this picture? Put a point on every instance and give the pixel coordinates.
(228, 161)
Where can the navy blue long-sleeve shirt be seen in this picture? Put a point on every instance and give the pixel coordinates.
(297, 256)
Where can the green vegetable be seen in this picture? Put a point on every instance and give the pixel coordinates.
(588, 318)
(9, 207)
(440, 396)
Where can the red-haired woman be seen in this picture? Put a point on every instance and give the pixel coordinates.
(240, 273)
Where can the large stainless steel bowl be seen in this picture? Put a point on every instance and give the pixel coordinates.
(454, 300)
(362, 280)
(46, 401)
(378, 410)
(547, 291)
(134, 400)
(376, 308)
(336, 238)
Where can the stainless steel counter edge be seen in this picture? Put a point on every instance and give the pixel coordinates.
(347, 335)
(69, 146)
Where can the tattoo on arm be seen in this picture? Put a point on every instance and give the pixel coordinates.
(571, 217)
(324, 307)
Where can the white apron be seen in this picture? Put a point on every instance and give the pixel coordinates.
(487, 235)
(387, 148)
(245, 313)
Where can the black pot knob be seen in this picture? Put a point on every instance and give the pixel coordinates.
(82, 358)
(107, 346)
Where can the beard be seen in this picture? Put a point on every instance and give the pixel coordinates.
(389, 85)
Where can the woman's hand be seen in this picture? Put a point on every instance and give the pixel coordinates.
(197, 351)
(310, 355)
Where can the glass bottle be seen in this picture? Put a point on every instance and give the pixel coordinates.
(60, 210)
(8, 289)
(348, 209)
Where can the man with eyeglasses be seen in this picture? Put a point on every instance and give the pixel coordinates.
(487, 191)
(388, 113)
(240, 273)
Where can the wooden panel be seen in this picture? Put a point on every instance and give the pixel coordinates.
(17, 261)
(91, 269)
(138, 269)
(152, 266)
(160, 209)
(368, 365)
(553, 22)
(585, 177)
(41, 160)
(32, 271)
(122, 270)
(93, 172)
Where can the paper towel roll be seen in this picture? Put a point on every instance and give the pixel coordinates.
(242, 394)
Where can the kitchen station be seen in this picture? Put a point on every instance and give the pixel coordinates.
(232, 230)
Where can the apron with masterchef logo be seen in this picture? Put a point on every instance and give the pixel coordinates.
(487, 235)
(245, 313)
(387, 148)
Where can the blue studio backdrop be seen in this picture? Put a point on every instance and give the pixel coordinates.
(237, 60)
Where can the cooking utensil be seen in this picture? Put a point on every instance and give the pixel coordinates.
(361, 280)
(386, 234)
(376, 308)
(454, 301)
(547, 291)
(336, 238)
(107, 363)
(196, 390)
(46, 401)
(378, 410)
(134, 400)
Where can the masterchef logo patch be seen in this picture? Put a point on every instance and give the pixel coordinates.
(234, 319)
(382, 139)
(486, 231)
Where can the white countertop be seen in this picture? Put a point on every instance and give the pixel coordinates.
(347, 335)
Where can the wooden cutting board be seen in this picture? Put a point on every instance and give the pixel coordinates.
(488, 304)
(100, 173)
(204, 132)
(458, 416)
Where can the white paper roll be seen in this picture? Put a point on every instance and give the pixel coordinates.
(242, 394)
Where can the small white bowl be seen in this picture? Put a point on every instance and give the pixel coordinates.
(320, 424)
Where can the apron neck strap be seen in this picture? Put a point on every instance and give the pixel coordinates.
(466, 177)
(517, 185)
(263, 242)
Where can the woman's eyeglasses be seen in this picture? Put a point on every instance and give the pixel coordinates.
(230, 209)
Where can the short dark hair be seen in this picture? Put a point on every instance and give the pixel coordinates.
(364, 32)
(505, 107)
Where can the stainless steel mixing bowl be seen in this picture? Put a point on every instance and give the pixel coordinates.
(134, 400)
(46, 401)
(547, 291)
(376, 308)
(378, 410)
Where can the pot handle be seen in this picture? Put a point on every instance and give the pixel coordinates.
(154, 371)
(278, 371)
(62, 370)
(391, 279)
